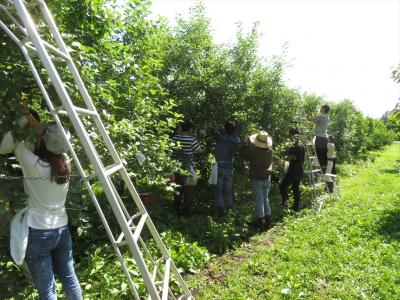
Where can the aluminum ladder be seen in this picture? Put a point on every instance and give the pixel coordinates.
(157, 273)
(317, 179)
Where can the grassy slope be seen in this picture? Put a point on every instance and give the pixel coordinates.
(350, 252)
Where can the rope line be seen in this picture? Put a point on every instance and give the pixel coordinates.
(8, 177)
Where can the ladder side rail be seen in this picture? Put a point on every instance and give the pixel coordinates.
(111, 238)
(77, 162)
(179, 278)
(312, 176)
(166, 255)
(156, 270)
(149, 223)
(121, 203)
(24, 32)
(135, 195)
(11, 34)
(45, 94)
(162, 247)
(87, 144)
(74, 71)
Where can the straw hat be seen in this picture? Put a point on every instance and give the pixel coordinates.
(261, 140)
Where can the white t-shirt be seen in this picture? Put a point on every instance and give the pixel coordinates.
(46, 199)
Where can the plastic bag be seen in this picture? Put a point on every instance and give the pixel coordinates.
(285, 166)
(19, 236)
(7, 143)
(214, 174)
(140, 157)
(191, 178)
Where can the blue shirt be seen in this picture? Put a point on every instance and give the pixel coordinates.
(226, 147)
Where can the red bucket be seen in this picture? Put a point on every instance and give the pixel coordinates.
(149, 198)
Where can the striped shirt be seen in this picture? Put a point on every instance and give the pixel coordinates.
(188, 145)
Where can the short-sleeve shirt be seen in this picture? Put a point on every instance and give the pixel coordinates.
(260, 161)
(184, 153)
(322, 125)
(296, 165)
(225, 147)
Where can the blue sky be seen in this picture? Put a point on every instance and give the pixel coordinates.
(338, 49)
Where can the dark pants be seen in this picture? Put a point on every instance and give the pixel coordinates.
(184, 199)
(293, 181)
(223, 189)
(321, 149)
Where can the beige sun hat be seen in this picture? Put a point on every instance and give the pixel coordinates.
(261, 140)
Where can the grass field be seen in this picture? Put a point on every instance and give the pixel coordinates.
(351, 251)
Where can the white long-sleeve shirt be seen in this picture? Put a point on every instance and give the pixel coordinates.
(46, 199)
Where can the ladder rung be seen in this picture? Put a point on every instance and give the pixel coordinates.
(107, 171)
(139, 227)
(313, 171)
(113, 168)
(322, 198)
(60, 111)
(79, 110)
(119, 241)
(89, 177)
(158, 283)
(85, 111)
(330, 175)
(50, 47)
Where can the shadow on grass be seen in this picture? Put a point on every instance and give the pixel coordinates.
(390, 224)
(393, 169)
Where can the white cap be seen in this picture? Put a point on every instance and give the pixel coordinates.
(54, 140)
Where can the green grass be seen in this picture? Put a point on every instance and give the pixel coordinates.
(350, 252)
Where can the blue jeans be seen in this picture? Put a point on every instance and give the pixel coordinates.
(223, 189)
(47, 248)
(260, 195)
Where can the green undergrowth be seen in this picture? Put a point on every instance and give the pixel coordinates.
(295, 259)
(351, 251)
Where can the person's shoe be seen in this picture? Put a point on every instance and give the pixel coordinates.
(220, 212)
(296, 209)
(258, 224)
(268, 222)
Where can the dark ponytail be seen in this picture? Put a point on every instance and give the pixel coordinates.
(60, 168)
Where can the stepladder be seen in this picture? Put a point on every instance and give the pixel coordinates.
(323, 183)
(131, 231)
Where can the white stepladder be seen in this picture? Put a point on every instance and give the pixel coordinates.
(157, 273)
(318, 180)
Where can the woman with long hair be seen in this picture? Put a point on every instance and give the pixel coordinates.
(49, 245)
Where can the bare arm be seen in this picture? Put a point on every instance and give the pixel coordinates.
(31, 119)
